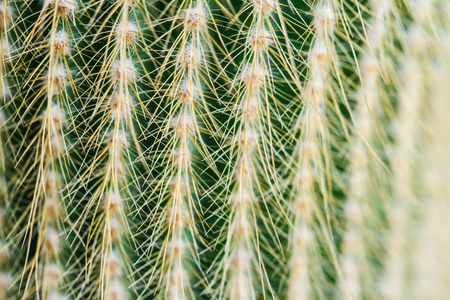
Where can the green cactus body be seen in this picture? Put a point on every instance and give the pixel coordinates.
(223, 149)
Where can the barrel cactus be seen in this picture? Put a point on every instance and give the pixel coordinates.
(224, 149)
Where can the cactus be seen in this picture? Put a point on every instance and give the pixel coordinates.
(212, 149)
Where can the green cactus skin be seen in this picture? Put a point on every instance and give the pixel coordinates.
(224, 149)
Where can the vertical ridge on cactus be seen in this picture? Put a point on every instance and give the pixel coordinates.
(223, 149)
(363, 189)
(41, 78)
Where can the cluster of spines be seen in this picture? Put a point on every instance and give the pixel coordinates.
(241, 250)
(42, 218)
(179, 251)
(254, 205)
(112, 136)
(310, 187)
(184, 116)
